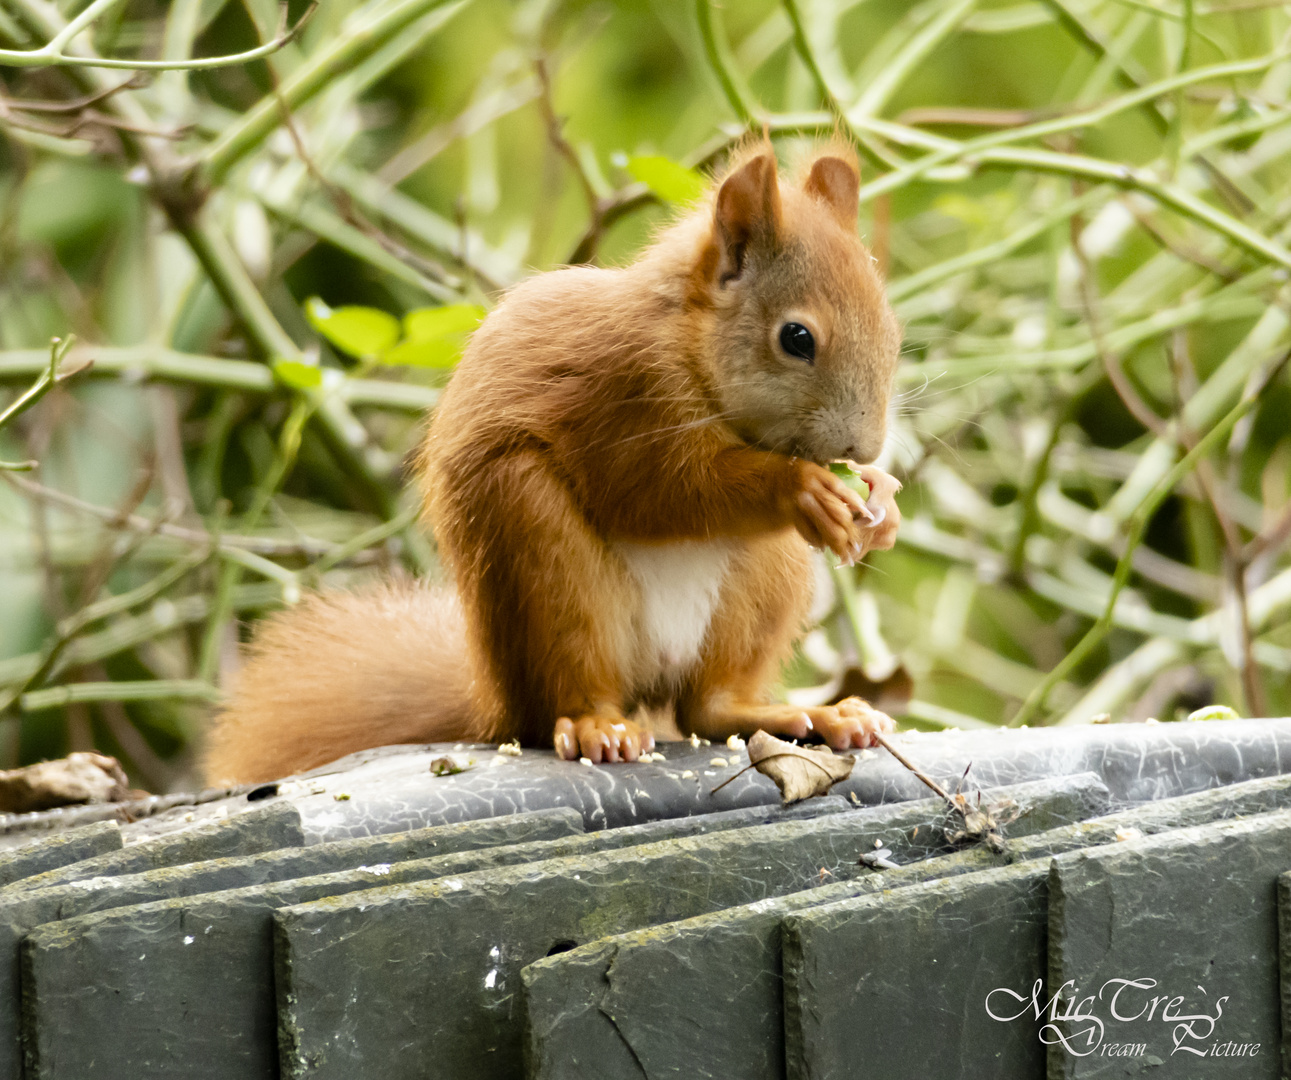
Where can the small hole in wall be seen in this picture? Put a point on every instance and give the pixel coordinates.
(562, 946)
(264, 791)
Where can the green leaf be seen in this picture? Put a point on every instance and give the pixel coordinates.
(671, 182)
(358, 331)
(426, 324)
(297, 375)
(850, 478)
(442, 352)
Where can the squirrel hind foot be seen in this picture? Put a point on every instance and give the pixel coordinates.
(601, 737)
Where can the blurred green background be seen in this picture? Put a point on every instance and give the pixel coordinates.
(1081, 207)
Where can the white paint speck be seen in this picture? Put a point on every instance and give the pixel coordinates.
(90, 884)
(189, 939)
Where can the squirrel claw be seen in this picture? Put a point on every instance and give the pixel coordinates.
(601, 739)
(852, 723)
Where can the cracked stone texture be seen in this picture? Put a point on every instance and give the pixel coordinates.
(262, 829)
(659, 983)
(197, 971)
(391, 790)
(23, 910)
(18, 829)
(52, 852)
(1194, 910)
(447, 954)
(1138, 762)
(868, 980)
(1284, 966)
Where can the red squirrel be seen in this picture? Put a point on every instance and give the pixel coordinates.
(625, 476)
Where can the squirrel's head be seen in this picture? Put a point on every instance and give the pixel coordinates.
(802, 341)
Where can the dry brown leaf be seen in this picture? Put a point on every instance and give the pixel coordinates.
(85, 777)
(800, 772)
(983, 824)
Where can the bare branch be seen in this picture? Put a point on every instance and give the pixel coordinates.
(52, 54)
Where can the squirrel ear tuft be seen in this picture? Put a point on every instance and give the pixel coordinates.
(836, 182)
(747, 213)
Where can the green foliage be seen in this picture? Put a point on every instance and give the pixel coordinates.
(296, 375)
(359, 331)
(431, 337)
(434, 337)
(1082, 209)
(673, 183)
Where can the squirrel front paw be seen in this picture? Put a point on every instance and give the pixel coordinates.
(879, 528)
(601, 738)
(826, 512)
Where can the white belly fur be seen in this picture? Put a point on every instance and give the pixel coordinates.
(680, 583)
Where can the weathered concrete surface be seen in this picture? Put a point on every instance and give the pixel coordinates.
(1284, 966)
(1191, 916)
(1138, 762)
(23, 910)
(452, 950)
(198, 971)
(390, 789)
(897, 985)
(267, 829)
(133, 815)
(52, 852)
(703, 997)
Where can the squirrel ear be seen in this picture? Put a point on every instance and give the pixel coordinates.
(837, 183)
(747, 213)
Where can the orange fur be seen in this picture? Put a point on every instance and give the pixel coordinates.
(341, 672)
(614, 439)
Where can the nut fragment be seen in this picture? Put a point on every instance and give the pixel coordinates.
(879, 860)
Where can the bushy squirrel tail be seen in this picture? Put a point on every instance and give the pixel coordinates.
(341, 672)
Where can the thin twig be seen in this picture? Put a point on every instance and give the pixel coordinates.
(52, 55)
(922, 776)
(718, 59)
(1137, 526)
(263, 545)
(1111, 361)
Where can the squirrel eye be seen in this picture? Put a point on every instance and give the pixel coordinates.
(797, 341)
